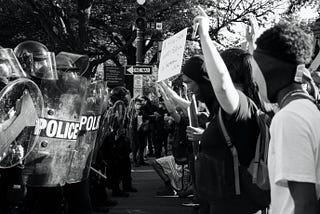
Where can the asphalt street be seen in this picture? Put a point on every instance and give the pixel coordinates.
(145, 200)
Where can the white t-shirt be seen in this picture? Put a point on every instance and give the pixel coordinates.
(293, 152)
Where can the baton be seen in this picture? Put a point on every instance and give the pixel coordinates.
(99, 173)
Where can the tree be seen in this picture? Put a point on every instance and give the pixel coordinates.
(104, 29)
(296, 5)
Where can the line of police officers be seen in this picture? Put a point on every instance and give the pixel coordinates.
(49, 121)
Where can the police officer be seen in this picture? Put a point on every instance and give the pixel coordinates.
(11, 182)
(57, 167)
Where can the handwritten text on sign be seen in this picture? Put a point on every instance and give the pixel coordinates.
(172, 55)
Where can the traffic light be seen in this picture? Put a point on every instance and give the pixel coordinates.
(141, 22)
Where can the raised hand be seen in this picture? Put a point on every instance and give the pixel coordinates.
(168, 102)
(202, 20)
(252, 29)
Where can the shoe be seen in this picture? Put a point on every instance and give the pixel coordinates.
(120, 194)
(130, 189)
(185, 193)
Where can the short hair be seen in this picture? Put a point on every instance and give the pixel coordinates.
(287, 42)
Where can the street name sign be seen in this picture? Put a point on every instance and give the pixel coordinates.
(138, 69)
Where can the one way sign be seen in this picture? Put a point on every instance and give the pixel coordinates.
(138, 69)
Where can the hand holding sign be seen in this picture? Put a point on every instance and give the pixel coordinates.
(203, 21)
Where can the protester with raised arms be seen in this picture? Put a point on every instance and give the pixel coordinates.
(231, 77)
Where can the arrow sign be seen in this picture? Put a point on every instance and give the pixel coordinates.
(138, 69)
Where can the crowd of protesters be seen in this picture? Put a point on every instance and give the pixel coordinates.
(189, 149)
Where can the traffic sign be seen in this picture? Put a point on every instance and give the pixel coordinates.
(138, 69)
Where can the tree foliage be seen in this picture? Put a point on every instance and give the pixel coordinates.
(104, 29)
(296, 5)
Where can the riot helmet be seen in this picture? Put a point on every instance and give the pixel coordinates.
(36, 60)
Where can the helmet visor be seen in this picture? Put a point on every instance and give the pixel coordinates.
(44, 66)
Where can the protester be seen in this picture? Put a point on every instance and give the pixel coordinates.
(294, 159)
(149, 108)
(160, 134)
(231, 77)
(138, 124)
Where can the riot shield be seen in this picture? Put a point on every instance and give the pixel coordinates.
(89, 126)
(21, 105)
(9, 64)
(67, 61)
(48, 163)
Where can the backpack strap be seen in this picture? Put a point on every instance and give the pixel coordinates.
(262, 145)
(295, 95)
(233, 152)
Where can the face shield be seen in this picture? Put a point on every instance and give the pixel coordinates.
(42, 66)
(72, 62)
(9, 65)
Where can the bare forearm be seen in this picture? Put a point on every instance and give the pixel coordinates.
(219, 76)
(175, 116)
(304, 197)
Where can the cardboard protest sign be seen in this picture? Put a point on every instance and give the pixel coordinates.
(172, 55)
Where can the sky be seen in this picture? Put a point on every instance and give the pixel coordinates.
(308, 13)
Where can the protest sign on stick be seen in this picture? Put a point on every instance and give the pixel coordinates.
(172, 55)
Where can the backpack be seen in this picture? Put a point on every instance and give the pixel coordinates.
(252, 180)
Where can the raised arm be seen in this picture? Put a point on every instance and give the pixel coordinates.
(218, 73)
(251, 33)
(168, 102)
(178, 101)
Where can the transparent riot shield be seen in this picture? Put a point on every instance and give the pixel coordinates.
(89, 126)
(21, 105)
(48, 163)
(9, 64)
(72, 62)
